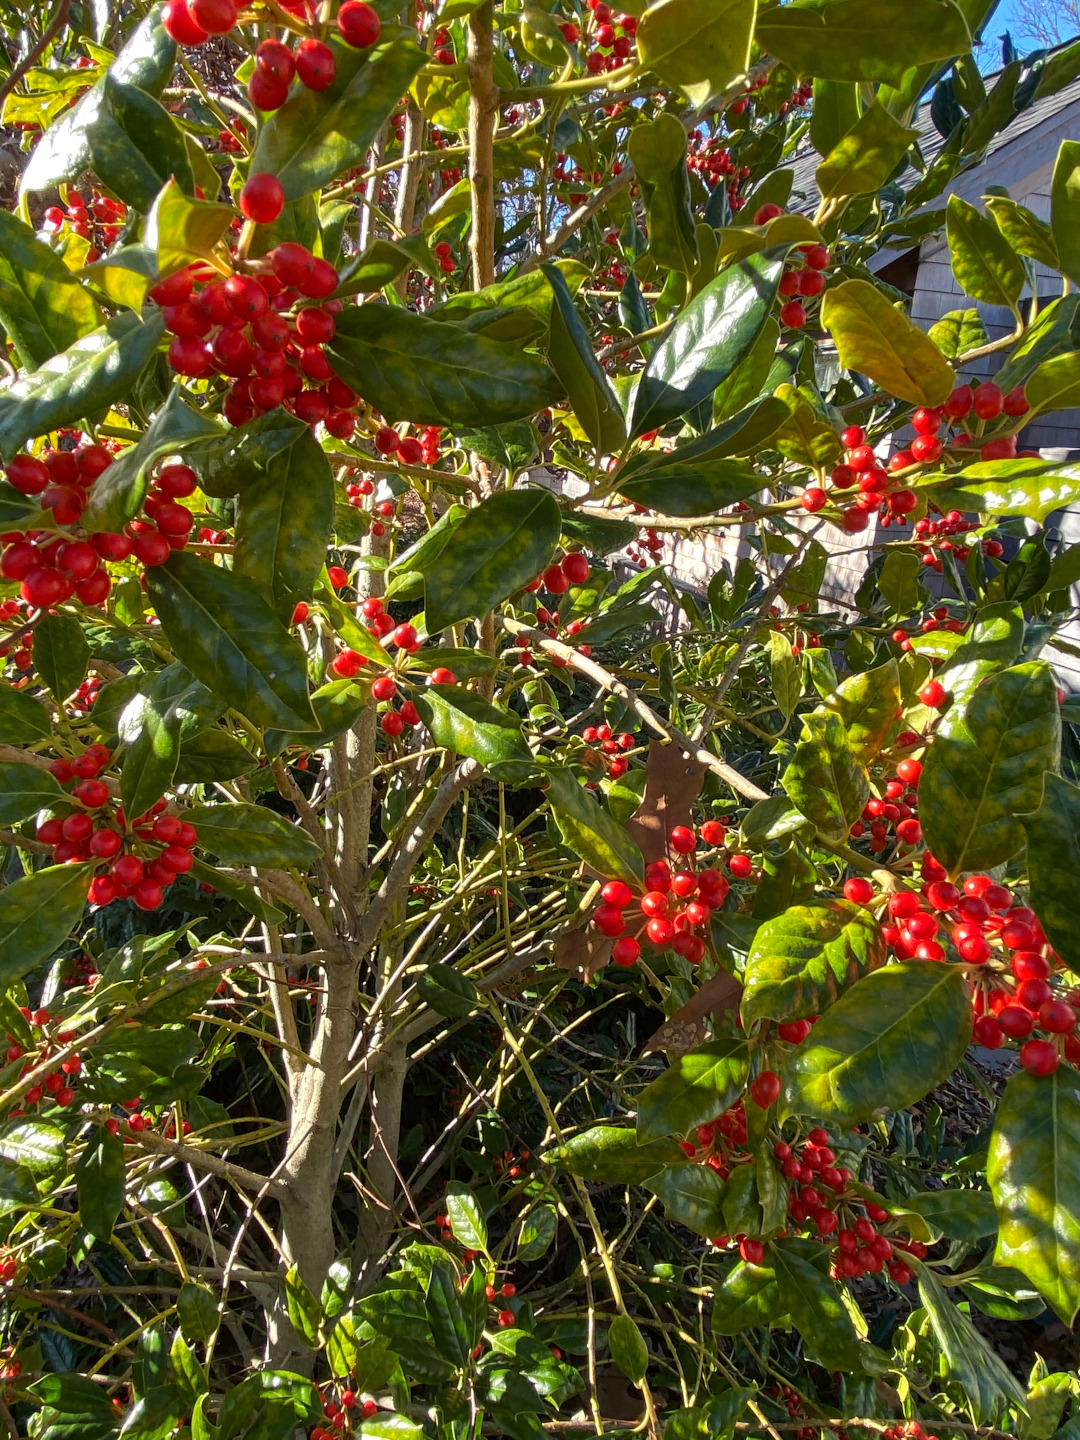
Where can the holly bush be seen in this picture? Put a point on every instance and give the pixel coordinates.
(456, 980)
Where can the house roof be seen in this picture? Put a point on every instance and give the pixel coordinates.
(805, 194)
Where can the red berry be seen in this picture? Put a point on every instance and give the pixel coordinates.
(765, 1089)
(793, 315)
(216, 17)
(315, 64)
(178, 24)
(859, 890)
(988, 401)
(683, 840)
(626, 950)
(262, 200)
(358, 23)
(752, 1251)
(276, 61)
(576, 567)
(1038, 1057)
(933, 694)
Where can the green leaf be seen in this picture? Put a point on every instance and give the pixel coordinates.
(1010, 487)
(1055, 385)
(657, 150)
(985, 265)
(888, 1040)
(868, 705)
(411, 367)
(815, 1307)
(835, 111)
(244, 895)
(876, 339)
(843, 40)
(707, 341)
(35, 1144)
(957, 332)
(692, 1195)
(37, 914)
(806, 436)
(1022, 228)
(244, 834)
(994, 642)
(628, 1349)
(785, 674)
(538, 1230)
(1065, 209)
(1053, 837)
(460, 720)
(446, 1317)
(985, 1381)
(151, 733)
(318, 134)
(283, 525)
(379, 265)
(611, 1153)
(135, 144)
(236, 458)
(230, 639)
(213, 755)
(700, 47)
(501, 545)
(696, 1087)
(63, 152)
(866, 156)
(116, 496)
(988, 770)
(97, 371)
(748, 1297)
(99, 1183)
(180, 230)
(898, 582)
(23, 720)
(750, 377)
(966, 1215)
(24, 790)
(305, 1312)
(589, 831)
(802, 960)
(466, 1217)
(61, 654)
(447, 991)
(43, 307)
(570, 354)
(197, 1311)
(823, 777)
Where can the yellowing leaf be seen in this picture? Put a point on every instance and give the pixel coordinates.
(878, 340)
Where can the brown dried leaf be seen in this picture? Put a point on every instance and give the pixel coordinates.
(685, 1029)
(673, 781)
(583, 952)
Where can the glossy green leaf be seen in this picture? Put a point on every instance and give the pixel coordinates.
(590, 831)
(993, 642)
(412, 367)
(232, 641)
(979, 778)
(99, 1183)
(538, 1230)
(692, 1195)
(892, 1037)
(500, 546)
(447, 991)
(23, 720)
(699, 47)
(835, 111)
(866, 156)
(823, 777)
(1065, 209)
(1022, 228)
(957, 332)
(611, 1153)
(337, 706)
(1055, 385)
(985, 265)
(959, 1214)
(180, 230)
(785, 673)
(466, 1217)
(150, 733)
(707, 341)
(24, 790)
(37, 914)
(61, 654)
(1053, 838)
(878, 340)
(43, 307)
(570, 354)
(135, 144)
(868, 705)
(749, 378)
(806, 436)
(283, 525)
(1010, 487)
(1034, 1173)
(97, 371)
(318, 134)
(462, 721)
(696, 1087)
(117, 494)
(197, 1311)
(802, 960)
(244, 834)
(446, 1317)
(226, 463)
(748, 1297)
(628, 1349)
(63, 152)
(968, 1358)
(898, 582)
(215, 755)
(771, 819)
(657, 150)
(811, 1299)
(844, 40)
(36, 1144)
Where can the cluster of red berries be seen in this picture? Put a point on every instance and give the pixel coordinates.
(409, 449)
(102, 220)
(608, 754)
(193, 22)
(237, 328)
(512, 1166)
(57, 1086)
(610, 35)
(799, 282)
(142, 856)
(939, 619)
(339, 1413)
(1013, 993)
(987, 403)
(711, 159)
(674, 905)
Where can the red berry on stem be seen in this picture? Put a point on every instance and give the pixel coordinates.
(262, 200)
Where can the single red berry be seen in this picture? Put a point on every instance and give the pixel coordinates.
(358, 24)
(683, 840)
(859, 890)
(765, 1089)
(177, 22)
(626, 950)
(262, 200)
(1038, 1057)
(752, 1251)
(933, 694)
(216, 17)
(315, 64)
